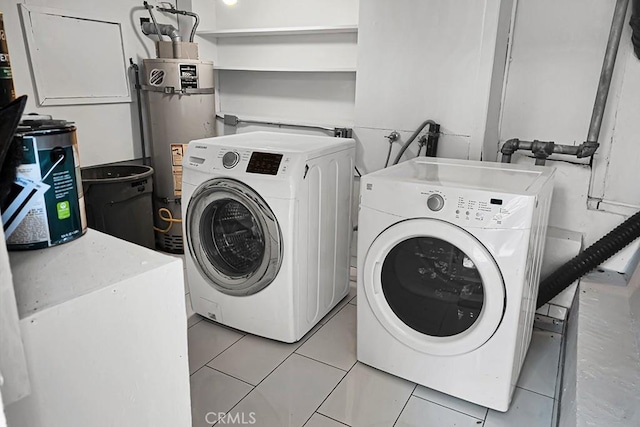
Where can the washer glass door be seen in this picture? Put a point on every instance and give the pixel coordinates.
(434, 286)
(233, 236)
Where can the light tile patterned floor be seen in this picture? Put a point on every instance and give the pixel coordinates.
(242, 379)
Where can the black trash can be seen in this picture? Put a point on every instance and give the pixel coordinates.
(118, 201)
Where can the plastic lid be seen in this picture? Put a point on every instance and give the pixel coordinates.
(27, 125)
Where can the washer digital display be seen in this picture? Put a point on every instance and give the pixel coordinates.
(264, 163)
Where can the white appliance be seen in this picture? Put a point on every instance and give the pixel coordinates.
(268, 229)
(449, 256)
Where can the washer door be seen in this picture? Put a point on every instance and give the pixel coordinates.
(233, 236)
(434, 286)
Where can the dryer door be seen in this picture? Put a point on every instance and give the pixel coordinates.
(434, 286)
(233, 236)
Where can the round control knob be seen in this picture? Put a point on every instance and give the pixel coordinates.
(435, 202)
(230, 159)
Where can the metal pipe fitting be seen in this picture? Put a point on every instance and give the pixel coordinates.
(175, 11)
(541, 150)
(393, 136)
(508, 148)
(149, 28)
(587, 149)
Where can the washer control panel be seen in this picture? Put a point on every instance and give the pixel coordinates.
(264, 163)
(236, 160)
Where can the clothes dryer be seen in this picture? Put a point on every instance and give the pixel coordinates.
(449, 256)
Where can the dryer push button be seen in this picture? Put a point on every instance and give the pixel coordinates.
(435, 202)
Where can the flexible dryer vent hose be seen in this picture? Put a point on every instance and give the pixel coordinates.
(589, 259)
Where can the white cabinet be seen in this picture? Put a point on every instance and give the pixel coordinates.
(105, 333)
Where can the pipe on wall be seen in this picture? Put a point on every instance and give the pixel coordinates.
(411, 138)
(606, 73)
(136, 74)
(153, 18)
(629, 230)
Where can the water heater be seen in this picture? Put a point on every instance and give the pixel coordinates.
(181, 108)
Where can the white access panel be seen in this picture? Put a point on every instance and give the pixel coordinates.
(83, 64)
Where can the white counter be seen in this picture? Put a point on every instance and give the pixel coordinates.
(47, 277)
(601, 381)
(105, 332)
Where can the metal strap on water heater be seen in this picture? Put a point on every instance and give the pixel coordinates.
(170, 90)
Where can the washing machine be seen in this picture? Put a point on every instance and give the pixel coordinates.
(449, 256)
(268, 228)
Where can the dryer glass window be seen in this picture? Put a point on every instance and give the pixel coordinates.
(233, 239)
(432, 286)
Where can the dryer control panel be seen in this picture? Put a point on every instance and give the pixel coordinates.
(465, 208)
(474, 209)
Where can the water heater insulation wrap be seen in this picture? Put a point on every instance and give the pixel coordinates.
(181, 108)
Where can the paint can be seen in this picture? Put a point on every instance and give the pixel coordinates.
(46, 205)
(7, 92)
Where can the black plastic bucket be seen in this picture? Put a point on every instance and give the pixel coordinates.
(118, 201)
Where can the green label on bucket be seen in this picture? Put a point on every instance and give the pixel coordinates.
(64, 210)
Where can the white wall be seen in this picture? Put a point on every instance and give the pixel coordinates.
(556, 57)
(421, 60)
(106, 132)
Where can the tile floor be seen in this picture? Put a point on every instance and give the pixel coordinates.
(243, 379)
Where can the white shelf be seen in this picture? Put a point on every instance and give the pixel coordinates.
(283, 31)
(287, 69)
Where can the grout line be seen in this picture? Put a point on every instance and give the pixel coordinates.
(191, 326)
(328, 395)
(267, 376)
(229, 375)
(334, 314)
(557, 393)
(270, 372)
(326, 416)
(405, 404)
(194, 372)
(535, 392)
(453, 409)
(274, 369)
(325, 363)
